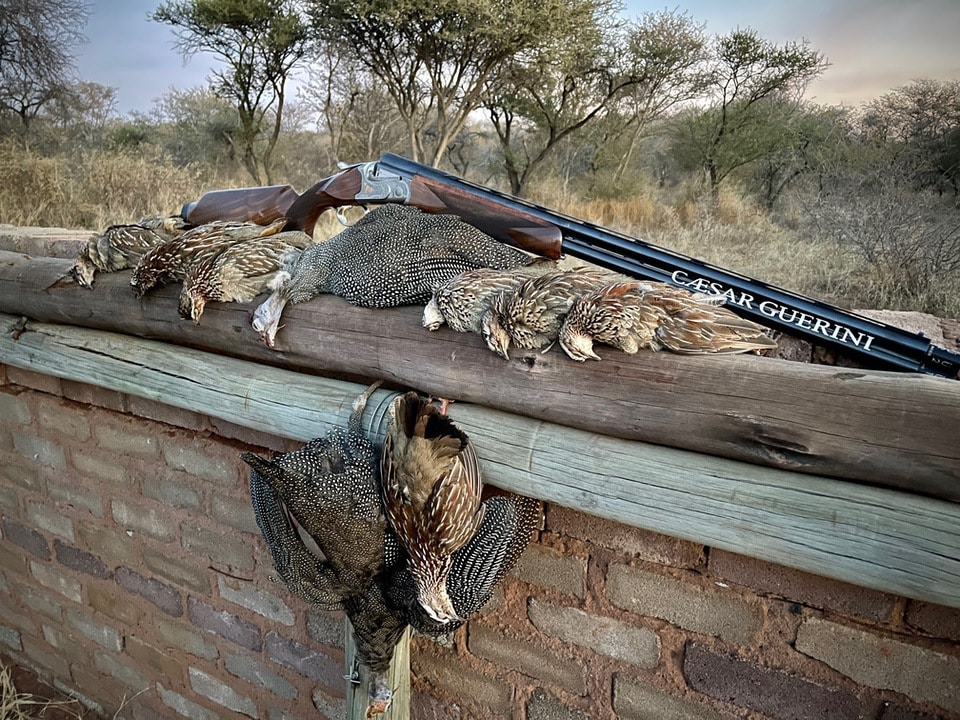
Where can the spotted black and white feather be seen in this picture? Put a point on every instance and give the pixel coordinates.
(394, 255)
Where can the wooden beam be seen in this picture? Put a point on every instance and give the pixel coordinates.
(398, 679)
(876, 537)
(893, 429)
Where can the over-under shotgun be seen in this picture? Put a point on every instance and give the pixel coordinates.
(550, 233)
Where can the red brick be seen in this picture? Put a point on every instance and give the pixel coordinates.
(33, 380)
(307, 661)
(225, 624)
(801, 587)
(936, 620)
(643, 544)
(773, 693)
(455, 680)
(25, 537)
(166, 598)
(93, 395)
(79, 560)
(900, 712)
(166, 414)
(527, 657)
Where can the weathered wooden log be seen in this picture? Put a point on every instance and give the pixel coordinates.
(880, 538)
(894, 429)
(398, 680)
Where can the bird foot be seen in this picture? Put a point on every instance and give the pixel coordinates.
(377, 707)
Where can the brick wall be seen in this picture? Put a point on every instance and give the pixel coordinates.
(131, 571)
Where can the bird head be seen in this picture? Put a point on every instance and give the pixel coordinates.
(83, 271)
(142, 280)
(432, 591)
(191, 305)
(266, 319)
(494, 334)
(432, 317)
(578, 345)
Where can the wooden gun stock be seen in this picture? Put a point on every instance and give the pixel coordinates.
(263, 205)
(504, 224)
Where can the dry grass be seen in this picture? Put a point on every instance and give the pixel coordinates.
(15, 705)
(98, 189)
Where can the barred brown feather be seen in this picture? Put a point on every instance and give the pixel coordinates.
(116, 248)
(639, 314)
(461, 301)
(530, 316)
(169, 261)
(431, 489)
(241, 272)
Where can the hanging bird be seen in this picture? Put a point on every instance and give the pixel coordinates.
(701, 329)
(169, 261)
(332, 487)
(461, 301)
(507, 525)
(625, 315)
(121, 246)
(531, 315)
(431, 490)
(241, 272)
(394, 255)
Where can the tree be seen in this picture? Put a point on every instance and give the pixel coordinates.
(354, 111)
(750, 82)
(619, 75)
(925, 117)
(804, 136)
(435, 57)
(260, 42)
(37, 38)
(195, 126)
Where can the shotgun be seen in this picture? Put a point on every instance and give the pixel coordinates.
(550, 233)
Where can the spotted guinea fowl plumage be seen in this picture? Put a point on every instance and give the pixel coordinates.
(394, 255)
(169, 261)
(121, 246)
(241, 272)
(431, 491)
(332, 487)
(530, 317)
(461, 301)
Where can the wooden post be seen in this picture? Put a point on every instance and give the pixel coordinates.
(398, 677)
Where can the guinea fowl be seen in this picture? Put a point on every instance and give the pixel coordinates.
(169, 261)
(461, 301)
(638, 314)
(531, 316)
(431, 489)
(121, 246)
(331, 486)
(241, 272)
(394, 255)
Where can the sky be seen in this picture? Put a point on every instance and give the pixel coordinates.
(873, 46)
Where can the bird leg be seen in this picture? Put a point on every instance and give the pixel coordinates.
(380, 695)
